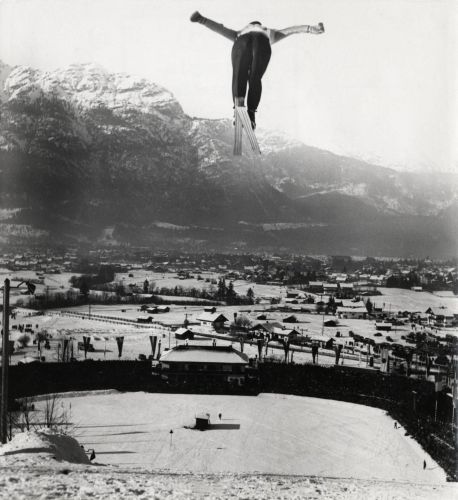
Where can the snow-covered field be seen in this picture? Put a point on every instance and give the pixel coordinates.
(171, 280)
(400, 299)
(73, 482)
(272, 434)
(269, 446)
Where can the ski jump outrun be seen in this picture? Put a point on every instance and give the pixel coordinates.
(250, 57)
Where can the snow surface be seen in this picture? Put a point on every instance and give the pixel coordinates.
(43, 446)
(270, 434)
(281, 432)
(79, 482)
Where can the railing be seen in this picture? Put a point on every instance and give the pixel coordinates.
(110, 319)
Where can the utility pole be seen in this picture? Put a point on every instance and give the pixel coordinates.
(6, 356)
(5, 363)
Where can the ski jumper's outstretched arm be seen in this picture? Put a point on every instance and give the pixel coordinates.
(214, 26)
(277, 35)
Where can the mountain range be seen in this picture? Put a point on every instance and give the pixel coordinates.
(91, 156)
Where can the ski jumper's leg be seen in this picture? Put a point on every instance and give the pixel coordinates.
(241, 62)
(261, 56)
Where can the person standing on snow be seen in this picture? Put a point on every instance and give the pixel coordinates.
(251, 55)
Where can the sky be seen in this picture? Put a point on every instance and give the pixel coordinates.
(379, 84)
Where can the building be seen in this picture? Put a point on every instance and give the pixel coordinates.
(347, 290)
(264, 329)
(383, 326)
(184, 334)
(290, 319)
(275, 331)
(213, 320)
(290, 334)
(315, 287)
(441, 316)
(204, 364)
(352, 312)
(353, 303)
(330, 288)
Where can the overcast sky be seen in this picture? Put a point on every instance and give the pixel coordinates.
(380, 84)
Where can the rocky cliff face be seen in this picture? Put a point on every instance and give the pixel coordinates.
(82, 149)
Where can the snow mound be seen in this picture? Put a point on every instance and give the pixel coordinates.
(41, 446)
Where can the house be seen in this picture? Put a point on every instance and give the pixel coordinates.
(346, 290)
(285, 333)
(144, 319)
(364, 287)
(323, 341)
(290, 319)
(441, 316)
(352, 312)
(204, 364)
(315, 287)
(330, 288)
(353, 303)
(263, 329)
(210, 309)
(383, 326)
(378, 280)
(184, 334)
(213, 320)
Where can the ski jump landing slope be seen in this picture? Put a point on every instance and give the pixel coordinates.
(267, 434)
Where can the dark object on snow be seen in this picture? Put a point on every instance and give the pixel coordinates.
(92, 457)
(220, 415)
(424, 464)
(202, 421)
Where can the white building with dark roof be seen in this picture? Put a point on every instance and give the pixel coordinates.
(213, 320)
(352, 312)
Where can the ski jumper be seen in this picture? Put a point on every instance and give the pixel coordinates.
(251, 55)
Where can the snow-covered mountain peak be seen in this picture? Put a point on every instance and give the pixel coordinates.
(90, 86)
(272, 141)
(5, 70)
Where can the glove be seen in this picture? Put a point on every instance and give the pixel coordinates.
(317, 30)
(196, 17)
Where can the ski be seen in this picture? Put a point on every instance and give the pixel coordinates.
(242, 117)
(238, 135)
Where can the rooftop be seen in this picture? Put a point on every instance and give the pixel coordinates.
(212, 317)
(204, 354)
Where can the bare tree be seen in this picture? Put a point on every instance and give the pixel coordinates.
(27, 412)
(242, 322)
(13, 422)
(56, 415)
